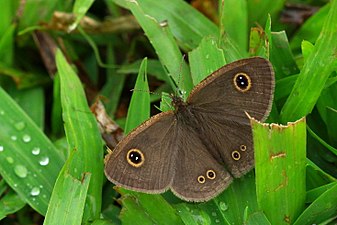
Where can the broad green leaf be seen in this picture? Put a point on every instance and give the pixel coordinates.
(68, 199)
(280, 162)
(29, 162)
(82, 135)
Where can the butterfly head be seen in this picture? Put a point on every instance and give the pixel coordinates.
(178, 102)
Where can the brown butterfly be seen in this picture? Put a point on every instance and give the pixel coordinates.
(197, 149)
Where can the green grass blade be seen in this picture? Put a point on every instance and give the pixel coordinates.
(150, 209)
(7, 45)
(29, 162)
(280, 160)
(166, 48)
(205, 59)
(68, 199)
(82, 134)
(234, 12)
(188, 25)
(80, 8)
(315, 71)
(139, 109)
(10, 203)
(322, 209)
(310, 29)
(281, 56)
(113, 87)
(258, 218)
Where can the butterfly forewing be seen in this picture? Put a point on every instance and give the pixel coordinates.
(223, 99)
(245, 85)
(144, 160)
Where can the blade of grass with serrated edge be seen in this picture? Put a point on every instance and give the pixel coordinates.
(280, 163)
(82, 135)
(165, 46)
(322, 209)
(68, 199)
(315, 72)
(139, 108)
(205, 59)
(29, 162)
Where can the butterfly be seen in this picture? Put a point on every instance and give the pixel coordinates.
(198, 148)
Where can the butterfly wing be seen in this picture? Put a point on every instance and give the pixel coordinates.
(222, 100)
(198, 176)
(144, 160)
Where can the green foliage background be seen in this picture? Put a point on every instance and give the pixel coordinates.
(58, 56)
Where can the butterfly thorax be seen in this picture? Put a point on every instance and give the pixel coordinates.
(178, 103)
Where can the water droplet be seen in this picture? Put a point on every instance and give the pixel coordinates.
(26, 138)
(214, 214)
(20, 125)
(44, 196)
(35, 191)
(1, 148)
(217, 221)
(15, 185)
(207, 56)
(36, 151)
(9, 159)
(44, 161)
(20, 171)
(2, 112)
(14, 138)
(223, 206)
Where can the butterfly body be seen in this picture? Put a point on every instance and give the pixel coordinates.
(197, 149)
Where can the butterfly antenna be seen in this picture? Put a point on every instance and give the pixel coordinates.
(151, 92)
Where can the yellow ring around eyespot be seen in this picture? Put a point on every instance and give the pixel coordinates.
(201, 179)
(208, 176)
(236, 158)
(141, 156)
(248, 79)
(243, 148)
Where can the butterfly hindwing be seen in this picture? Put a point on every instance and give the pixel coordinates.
(198, 175)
